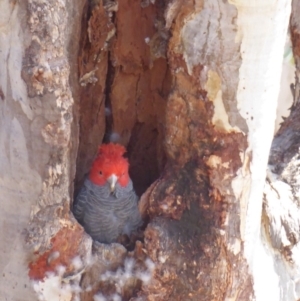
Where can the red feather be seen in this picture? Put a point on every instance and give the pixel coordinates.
(110, 161)
(111, 150)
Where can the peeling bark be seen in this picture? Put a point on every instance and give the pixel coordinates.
(281, 198)
(37, 124)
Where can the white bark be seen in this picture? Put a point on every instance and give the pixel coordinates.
(280, 220)
(261, 32)
(20, 183)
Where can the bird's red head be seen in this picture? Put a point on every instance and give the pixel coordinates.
(110, 166)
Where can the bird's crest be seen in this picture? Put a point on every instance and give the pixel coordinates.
(111, 150)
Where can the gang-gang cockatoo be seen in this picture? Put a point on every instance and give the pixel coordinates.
(107, 205)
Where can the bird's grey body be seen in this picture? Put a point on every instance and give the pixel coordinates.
(105, 215)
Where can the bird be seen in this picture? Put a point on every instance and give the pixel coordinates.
(107, 205)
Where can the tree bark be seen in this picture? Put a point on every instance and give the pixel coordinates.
(38, 131)
(190, 88)
(280, 218)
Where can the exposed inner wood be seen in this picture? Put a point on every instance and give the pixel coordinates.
(124, 84)
(134, 95)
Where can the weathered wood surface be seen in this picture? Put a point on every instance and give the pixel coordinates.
(38, 131)
(190, 87)
(281, 211)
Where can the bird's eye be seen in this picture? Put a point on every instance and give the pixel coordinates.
(100, 173)
(123, 173)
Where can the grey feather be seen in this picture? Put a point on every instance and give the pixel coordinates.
(105, 216)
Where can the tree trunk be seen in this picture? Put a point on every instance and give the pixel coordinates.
(190, 88)
(38, 133)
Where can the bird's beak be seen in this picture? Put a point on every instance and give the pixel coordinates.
(112, 180)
